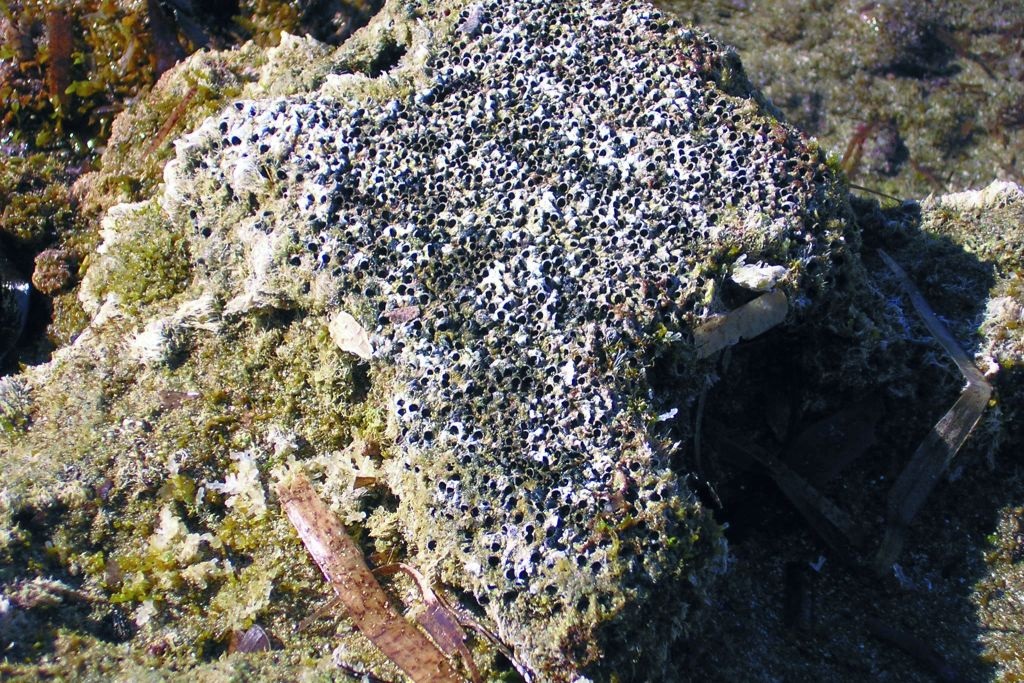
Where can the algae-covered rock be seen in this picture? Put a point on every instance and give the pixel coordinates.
(995, 596)
(988, 224)
(964, 250)
(915, 97)
(529, 209)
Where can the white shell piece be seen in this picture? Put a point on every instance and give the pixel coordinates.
(350, 336)
(757, 277)
(746, 322)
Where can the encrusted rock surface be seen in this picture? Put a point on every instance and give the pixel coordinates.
(916, 97)
(524, 236)
(528, 207)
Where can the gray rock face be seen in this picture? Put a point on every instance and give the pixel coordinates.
(524, 238)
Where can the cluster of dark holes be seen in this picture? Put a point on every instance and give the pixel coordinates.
(541, 237)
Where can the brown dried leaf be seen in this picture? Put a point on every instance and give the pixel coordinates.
(468, 621)
(362, 453)
(438, 619)
(172, 121)
(343, 566)
(172, 398)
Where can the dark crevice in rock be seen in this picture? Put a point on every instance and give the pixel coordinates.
(386, 59)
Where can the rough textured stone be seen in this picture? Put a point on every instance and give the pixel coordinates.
(553, 199)
(916, 97)
(529, 207)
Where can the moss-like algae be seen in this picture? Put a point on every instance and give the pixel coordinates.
(998, 611)
(166, 550)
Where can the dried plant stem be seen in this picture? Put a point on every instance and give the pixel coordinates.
(367, 605)
(439, 620)
(60, 41)
(944, 440)
(831, 524)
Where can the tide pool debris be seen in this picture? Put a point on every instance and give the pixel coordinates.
(358, 591)
(942, 443)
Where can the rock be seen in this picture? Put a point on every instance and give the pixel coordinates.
(989, 225)
(757, 277)
(53, 270)
(527, 207)
(350, 336)
(550, 193)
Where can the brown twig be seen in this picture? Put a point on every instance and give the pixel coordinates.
(172, 120)
(367, 605)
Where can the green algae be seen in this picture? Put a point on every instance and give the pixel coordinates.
(36, 204)
(188, 424)
(113, 58)
(70, 67)
(999, 612)
(153, 265)
(161, 550)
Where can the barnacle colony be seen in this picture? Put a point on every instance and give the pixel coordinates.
(546, 214)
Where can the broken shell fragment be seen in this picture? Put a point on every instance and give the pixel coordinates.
(746, 322)
(350, 336)
(253, 640)
(757, 277)
(403, 315)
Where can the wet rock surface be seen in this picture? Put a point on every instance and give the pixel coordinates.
(916, 97)
(14, 306)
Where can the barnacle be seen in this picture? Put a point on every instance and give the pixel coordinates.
(520, 238)
(492, 253)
